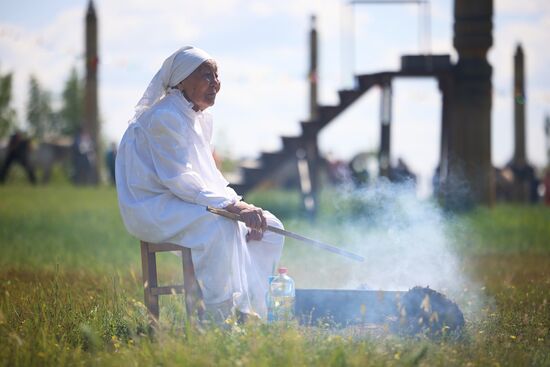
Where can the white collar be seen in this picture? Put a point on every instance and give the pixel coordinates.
(188, 105)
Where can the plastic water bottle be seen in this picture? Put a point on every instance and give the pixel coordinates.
(281, 297)
(269, 299)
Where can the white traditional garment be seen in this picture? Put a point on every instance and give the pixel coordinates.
(165, 176)
(174, 69)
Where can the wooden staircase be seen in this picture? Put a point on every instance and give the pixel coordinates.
(269, 164)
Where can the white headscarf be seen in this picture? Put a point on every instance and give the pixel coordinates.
(174, 69)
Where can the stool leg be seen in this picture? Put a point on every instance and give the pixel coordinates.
(194, 304)
(149, 271)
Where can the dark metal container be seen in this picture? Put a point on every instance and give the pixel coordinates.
(345, 307)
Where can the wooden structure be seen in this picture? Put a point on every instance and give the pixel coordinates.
(90, 120)
(467, 179)
(271, 164)
(521, 189)
(152, 290)
(466, 173)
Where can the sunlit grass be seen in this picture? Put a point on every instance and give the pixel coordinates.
(507, 228)
(71, 294)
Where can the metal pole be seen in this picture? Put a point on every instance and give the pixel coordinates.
(309, 241)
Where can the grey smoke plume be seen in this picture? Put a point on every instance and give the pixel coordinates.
(406, 241)
(407, 244)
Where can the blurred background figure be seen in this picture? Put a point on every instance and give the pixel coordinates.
(110, 158)
(83, 158)
(18, 150)
(402, 173)
(359, 168)
(338, 171)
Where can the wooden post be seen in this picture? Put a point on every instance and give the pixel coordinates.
(442, 172)
(308, 155)
(191, 289)
(90, 117)
(470, 180)
(520, 157)
(384, 157)
(313, 74)
(149, 272)
(193, 295)
(519, 165)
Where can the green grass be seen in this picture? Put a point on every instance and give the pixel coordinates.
(509, 228)
(80, 228)
(70, 291)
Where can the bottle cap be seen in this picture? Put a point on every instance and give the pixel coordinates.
(283, 270)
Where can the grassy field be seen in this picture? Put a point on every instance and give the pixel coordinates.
(71, 292)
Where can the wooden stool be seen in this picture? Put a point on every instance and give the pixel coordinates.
(152, 291)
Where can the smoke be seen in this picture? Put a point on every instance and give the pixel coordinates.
(406, 241)
(403, 239)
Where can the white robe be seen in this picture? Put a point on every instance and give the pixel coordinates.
(165, 176)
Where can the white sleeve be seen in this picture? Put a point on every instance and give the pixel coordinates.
(170, 148)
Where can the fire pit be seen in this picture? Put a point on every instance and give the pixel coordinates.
(420, 310)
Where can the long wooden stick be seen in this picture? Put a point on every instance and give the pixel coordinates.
(309, 241)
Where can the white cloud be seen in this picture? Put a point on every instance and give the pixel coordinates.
(259, 101)
(514, 7)
(47, 53)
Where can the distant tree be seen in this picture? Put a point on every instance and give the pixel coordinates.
(7, 113)
(40, 116)
(72, 104)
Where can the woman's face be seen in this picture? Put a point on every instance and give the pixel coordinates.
(202, 85)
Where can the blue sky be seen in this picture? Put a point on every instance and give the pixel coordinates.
(261, 48)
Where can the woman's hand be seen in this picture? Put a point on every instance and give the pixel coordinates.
(252, 216)
(254, 235)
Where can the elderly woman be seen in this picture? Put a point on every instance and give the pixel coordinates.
(166, 177)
